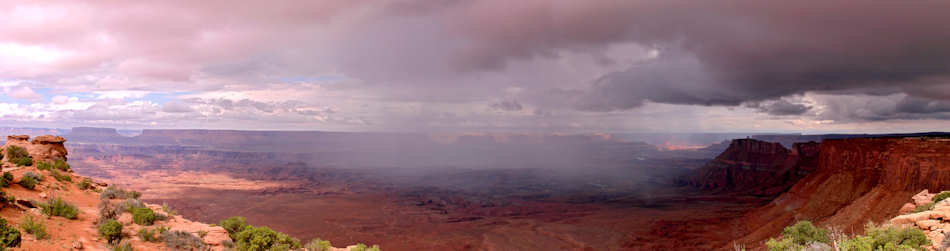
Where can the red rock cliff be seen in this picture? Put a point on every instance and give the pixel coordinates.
(857, 180)
(756, 167)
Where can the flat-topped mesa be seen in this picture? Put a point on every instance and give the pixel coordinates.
(41, 148)
(756, 167)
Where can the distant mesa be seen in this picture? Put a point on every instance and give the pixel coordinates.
(94, 131)
(756, 167)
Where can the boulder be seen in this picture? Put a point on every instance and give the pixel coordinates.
(911, 218)
(907, 208)
(927, 224)
(923, 197)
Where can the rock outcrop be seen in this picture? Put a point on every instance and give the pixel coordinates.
(41, 148)
(934, 222)
(857, 180)
(756, 167)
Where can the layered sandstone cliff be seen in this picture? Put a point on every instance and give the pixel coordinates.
(756, 167)
(857, 180)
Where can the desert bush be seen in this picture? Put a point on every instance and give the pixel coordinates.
(887, 238)
(318, 245)
(797, 236)
(61, 165)
(129, 205)
(59, 207)
(113, 192)
(16, 152)
(362, 247)
(149, 235)
(44, 166)
(941, 196)
(7, 179)
(168, 210)
(28, 182)
(107, 211)
(60, 176)
(264, 238)
(23, 161)
(19, 156)
(182, 240)
(35, 176)
(924, 207)
(143, 216)
(111, 230)
(84, 184)
(9, 235)
(234, 225)
(31, 226)
(122, 246)
(803, 232)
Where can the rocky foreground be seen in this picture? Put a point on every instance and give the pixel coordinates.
(48, 207)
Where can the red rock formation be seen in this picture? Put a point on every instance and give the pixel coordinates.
(42, 148)
(857, 180)
(756, 167)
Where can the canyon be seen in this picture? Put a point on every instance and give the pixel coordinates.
(509, 191)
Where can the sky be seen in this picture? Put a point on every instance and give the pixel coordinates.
(451, 65)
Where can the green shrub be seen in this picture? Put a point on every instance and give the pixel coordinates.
(19, 156)
(318, 245)
(803, 232)
(113, 192)
(7, 179)
(61, 165)
(85, 184)
(111, 230)
(17, 152)
(149, 235)
(181, 240)
(941, 196)
(44, 166)
(37, 229)
(887, 238)
(60, 176)
(122, 246)
(9, 235)
(264, 238)
(143, 216)
(59, 207)
(234, 225)
(924, 207)
(28, 182)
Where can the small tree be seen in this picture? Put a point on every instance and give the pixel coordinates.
(111, 230)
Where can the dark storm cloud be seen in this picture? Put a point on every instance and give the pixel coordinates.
(722, 52)
(781, 108)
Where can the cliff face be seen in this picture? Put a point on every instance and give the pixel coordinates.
(756, 167)
(857, 180)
